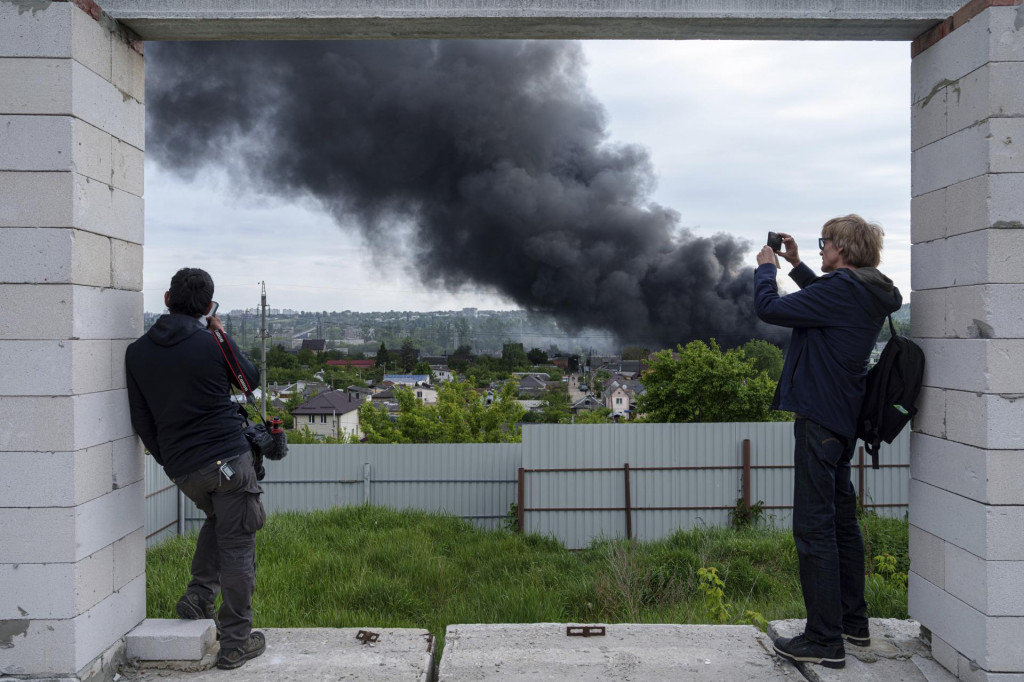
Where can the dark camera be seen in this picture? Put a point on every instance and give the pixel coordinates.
(775, 241)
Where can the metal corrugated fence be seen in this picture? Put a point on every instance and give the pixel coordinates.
(696, 467)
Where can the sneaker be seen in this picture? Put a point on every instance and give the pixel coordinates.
(860, 639)
(193, 607)
(234, 658)
(799, 649)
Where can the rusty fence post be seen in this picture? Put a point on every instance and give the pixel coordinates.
(746, 472)
(629, 510)
(521, 498)
(860, 476)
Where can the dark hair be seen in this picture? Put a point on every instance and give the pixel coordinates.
(191, 292)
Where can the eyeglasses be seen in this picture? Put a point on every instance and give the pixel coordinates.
(821, 242)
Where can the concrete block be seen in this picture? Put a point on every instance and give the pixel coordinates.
(928, 216)
(129, 464)
(35, 86)
(43, 32)
(928, 119)
(944, 654)
(101, 417)
(996, 588)
(987, 476)
(36, 199)
(106, 313)
(36, 368)
(55, 479)
(983, 257)
(1006, 146)
(54, 591)
(90, 44)
(128, 70)
(931, 413)
(128, 167)
(163, 639)
(35, 255)
(928, 556)
(21, 529)
(928, 313)
(92, 152)
(129, 558)
(45, 647)
(985, 311)
(35, 143)
(984, 365)
(990, 532)
(117, 351)
(105, 520)
(126, 265)
(990, 91)
(91, 371)
(90, 264)
(110, 620)
(106, 210)
(987, 421)
(953, 159)
(38, 424)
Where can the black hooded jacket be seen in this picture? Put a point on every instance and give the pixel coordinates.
(179, 390)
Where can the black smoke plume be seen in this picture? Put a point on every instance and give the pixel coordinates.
(491, 159)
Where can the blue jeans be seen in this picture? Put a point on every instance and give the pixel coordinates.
(828, 540)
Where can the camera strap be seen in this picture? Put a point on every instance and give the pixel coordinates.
(236, 371)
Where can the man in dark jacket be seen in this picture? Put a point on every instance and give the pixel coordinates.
(835, 320)
(179, 392)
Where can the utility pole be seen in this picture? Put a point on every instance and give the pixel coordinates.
(263, 348)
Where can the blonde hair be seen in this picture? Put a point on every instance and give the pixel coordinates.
(860, 240)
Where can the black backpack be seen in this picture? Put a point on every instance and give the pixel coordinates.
(892, 388)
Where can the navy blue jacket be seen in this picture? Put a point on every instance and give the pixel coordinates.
(835, 320)
(179, 393)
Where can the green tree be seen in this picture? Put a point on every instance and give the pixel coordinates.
(601, 415)
(767, 356)
(408, 355)
(635, 353)
(306, 357)
(458, 416)
(513, 357)
(382, 356)
(556, 408)
(423, 368)
(537, 357)
(700, 383)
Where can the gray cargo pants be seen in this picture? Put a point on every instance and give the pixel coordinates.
(225, 558)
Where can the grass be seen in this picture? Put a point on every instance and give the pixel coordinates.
(377, 567)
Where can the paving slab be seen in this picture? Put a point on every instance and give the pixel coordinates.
(897, 654)
(319, 654)
(171, 639)
(543, 651)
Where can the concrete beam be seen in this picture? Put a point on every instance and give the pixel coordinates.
(564, 19)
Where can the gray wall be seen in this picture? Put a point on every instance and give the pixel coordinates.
(478, 482)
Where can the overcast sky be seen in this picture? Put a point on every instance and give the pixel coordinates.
(745, 137)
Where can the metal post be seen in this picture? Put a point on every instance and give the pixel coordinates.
(629, 510)
(521, 498)
(366, 483)
(263, 349)
(181, 513)
(746, 472)
(860, 475)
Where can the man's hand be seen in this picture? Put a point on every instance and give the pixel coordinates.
(213, 324)
(790, 253)
(766, 255)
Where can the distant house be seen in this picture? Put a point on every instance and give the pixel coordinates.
(586, 404)
(315, 345)
(423, 393)
(355, 364)
(407, 379)
(360, 392)
(618, 401)
(442, 373)
(333, 413)
(532, 385)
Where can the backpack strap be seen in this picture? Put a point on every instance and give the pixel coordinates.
(236, 371)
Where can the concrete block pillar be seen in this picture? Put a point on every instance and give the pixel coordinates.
(967, 449)
(72, 538)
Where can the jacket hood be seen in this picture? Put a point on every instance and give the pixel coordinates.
(171, 329)
(886, 296)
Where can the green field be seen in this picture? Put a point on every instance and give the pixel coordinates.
(376, 567)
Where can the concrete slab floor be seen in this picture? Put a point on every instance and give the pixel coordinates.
(897, 654)
(543, 651)
(309, 655)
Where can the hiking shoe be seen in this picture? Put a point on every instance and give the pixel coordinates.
(234, 658)
(859, 639)
(799, 649)
(193, 607)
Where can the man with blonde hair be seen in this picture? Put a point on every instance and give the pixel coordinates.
(835, 320)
